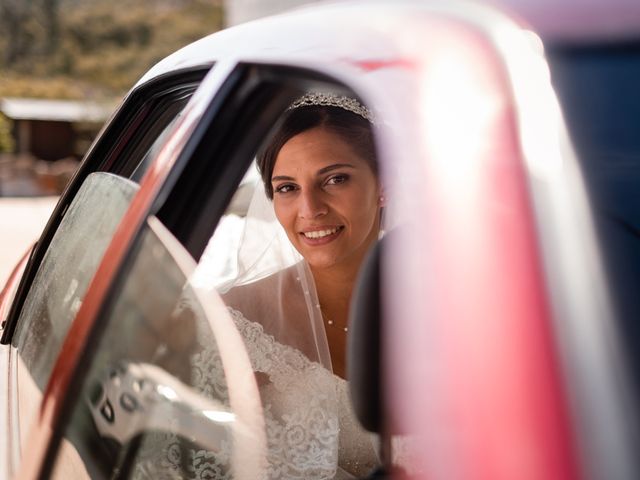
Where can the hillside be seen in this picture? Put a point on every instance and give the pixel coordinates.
(93, 49)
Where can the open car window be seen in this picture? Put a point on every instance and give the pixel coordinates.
(203, 262)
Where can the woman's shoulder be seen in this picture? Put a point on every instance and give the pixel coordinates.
(265, 299)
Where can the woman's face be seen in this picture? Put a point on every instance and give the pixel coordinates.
(327, 199)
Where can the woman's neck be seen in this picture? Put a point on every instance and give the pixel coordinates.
(334, 293)
(335, 284)
(334, 288)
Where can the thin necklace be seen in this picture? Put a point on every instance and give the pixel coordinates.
(330, 322)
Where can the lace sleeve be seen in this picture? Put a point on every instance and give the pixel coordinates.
(312, 431)
(299, 406)
(306, 410)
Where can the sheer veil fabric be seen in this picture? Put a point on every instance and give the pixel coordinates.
(274, 286)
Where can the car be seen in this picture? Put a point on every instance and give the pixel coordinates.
(494, 326)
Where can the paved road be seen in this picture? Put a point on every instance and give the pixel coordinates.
(21, 222)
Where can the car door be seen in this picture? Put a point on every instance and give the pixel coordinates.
(63, 262)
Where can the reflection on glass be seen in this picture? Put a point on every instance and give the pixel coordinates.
(58, 290)
(156, 402)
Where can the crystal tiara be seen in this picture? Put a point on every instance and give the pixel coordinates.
(333, 100)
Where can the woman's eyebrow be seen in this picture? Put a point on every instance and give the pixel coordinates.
(282, 177)
(335, 166)
(322, 171)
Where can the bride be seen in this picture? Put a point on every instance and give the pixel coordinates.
(313, 218)
(319, 171)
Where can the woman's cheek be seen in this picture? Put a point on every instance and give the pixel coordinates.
(283, 215)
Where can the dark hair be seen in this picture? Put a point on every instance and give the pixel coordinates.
(351, 127)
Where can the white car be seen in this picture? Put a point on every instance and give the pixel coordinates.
(509, 305)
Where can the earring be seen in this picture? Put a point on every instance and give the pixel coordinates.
(381, 199)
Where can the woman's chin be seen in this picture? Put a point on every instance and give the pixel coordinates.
(318, 261)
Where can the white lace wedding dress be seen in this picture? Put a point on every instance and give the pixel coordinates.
(311, 430)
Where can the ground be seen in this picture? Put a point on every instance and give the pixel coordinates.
(21, 222)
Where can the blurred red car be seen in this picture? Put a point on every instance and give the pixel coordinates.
(508, 300)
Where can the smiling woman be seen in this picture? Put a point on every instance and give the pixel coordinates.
(326, 195)
(321, 173)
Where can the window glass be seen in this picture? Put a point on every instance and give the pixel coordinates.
(62, 280)
(165, 395)
(148, 157)
(126, 148)
(67, 268)
(137, 157)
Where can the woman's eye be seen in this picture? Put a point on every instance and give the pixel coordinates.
(286, 188)
(337, 179)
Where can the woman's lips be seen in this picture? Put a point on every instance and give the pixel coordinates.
(321, 236)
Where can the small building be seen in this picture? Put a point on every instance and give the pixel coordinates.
(53, 129)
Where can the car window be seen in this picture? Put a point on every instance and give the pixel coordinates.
(62, 280)
(164, 395)
(157, 320)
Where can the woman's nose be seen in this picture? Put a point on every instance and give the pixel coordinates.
(311, 205)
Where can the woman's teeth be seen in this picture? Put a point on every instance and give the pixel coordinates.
(321, 233)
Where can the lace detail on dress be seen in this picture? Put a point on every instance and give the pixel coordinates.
(299, 406)
(165, 456)
(306, 410)
(207, 374)
(281, 362)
